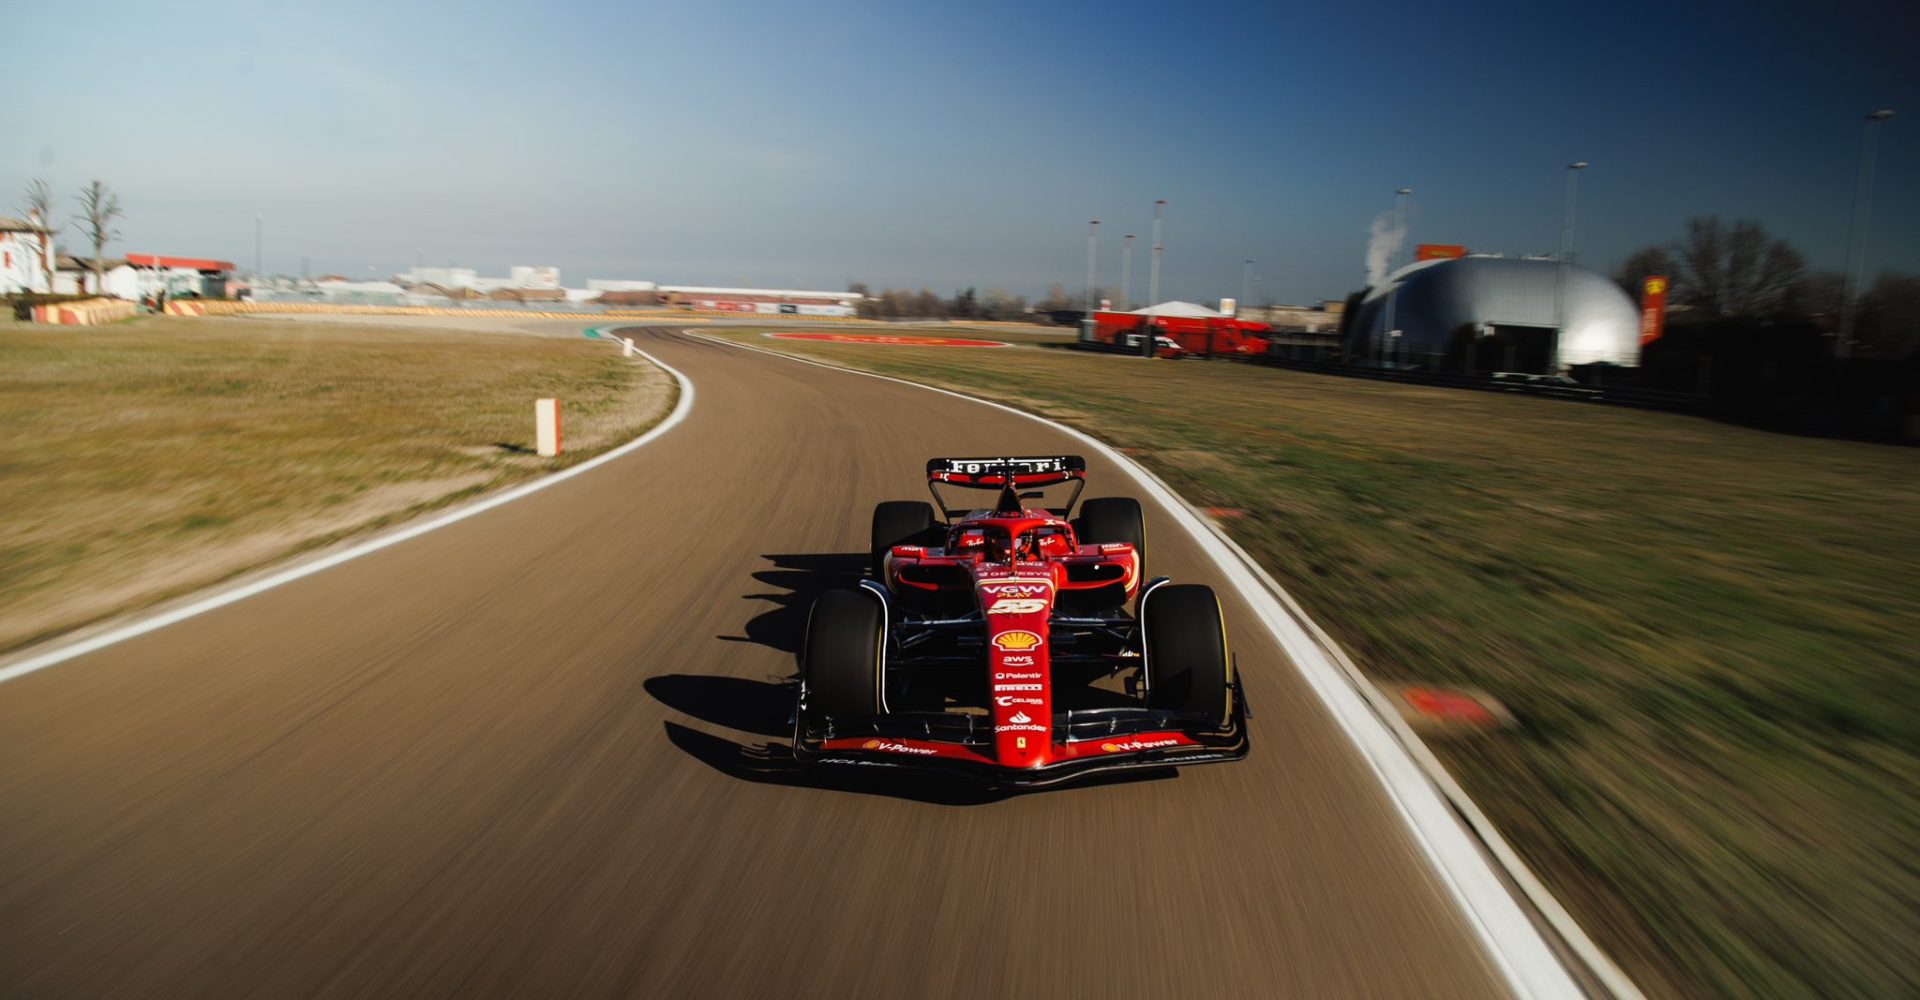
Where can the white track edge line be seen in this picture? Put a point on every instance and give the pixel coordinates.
(1525, 958)
(62, 654)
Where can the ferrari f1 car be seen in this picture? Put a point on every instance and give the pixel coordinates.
(998, 643)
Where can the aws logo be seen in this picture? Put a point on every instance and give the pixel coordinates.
(1016, 641)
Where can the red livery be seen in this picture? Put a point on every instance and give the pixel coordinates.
(998, 643)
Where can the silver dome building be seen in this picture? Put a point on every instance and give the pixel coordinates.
(1495, 314)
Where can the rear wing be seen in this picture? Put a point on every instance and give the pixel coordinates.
(1010, 476)
(998, 473)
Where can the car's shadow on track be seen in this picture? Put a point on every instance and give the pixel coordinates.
(765, 707)
(798, 579)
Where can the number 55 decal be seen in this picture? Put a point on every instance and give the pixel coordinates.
(1016, 606)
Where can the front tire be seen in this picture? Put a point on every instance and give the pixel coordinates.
(842, 658)
(1106, 520)
(899, 522)
(1187, 665)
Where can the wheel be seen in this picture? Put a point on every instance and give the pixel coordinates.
(1186, 651)
(899, 522)
(842, 658)
(1113, 519)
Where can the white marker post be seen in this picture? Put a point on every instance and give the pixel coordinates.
(546, 427)
(626, 349)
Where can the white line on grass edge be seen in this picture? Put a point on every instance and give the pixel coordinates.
(62, 654)
(1420, 789)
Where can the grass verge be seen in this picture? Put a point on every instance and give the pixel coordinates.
(146, 459)
(1706, 632)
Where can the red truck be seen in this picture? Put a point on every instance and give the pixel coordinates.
(1179, 336)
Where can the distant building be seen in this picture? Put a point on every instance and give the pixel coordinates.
(142, 275)
(1482, 313)
(26, 256)
(449, 278)
(1309, 319)
(75, 276)
(522, 276)
(617, 285)
(445, 277)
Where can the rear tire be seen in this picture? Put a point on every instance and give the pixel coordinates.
(1106, 520)
(899, 522)
(841, 658)
(1187, 665)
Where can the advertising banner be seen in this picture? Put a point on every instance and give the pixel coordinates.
(1653, 308)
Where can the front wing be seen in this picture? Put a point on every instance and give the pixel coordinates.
(1086, 755)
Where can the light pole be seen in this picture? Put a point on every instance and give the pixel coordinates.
(1393, 296)
(1126, 273)
(1246, 283)
(1153, 268)
(1153, 280)
(1399, 223)
(1566, 223)
(1857, 236)
(1093, 231)
(1565, 261)
(258, 266)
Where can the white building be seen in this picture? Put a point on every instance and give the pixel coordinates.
(518, 276)
(141, 275)
(26, 256)
(619, 285)
(524, 276)
(445, 277)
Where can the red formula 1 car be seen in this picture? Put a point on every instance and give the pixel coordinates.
(997, 643)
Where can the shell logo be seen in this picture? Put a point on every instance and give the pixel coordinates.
(1110, 747)
(870, 745)
(1656, 286)
(1016, 641)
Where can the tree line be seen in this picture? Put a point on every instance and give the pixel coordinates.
(970, 303)
(1722, 272)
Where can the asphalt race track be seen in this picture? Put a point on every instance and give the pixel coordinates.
(542, 752)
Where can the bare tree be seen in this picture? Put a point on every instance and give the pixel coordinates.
(1699, 256)
(1737, 270)
(36, 202)
(99, 207)
(1642, 264)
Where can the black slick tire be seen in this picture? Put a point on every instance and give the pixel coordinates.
(898, 522)
(1106, 520)
(842, 656)
(1187, 665)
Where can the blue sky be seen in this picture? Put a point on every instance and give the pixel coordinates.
(950, 145)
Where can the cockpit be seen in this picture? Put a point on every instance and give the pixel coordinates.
(995, 543)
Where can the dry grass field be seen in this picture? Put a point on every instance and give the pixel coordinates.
(149, 458)
(1707, 633)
